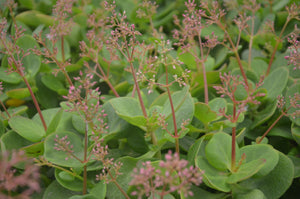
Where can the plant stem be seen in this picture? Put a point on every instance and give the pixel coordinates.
(117, 184)
(176, 136)
(138, 91)
(3, 106)
(36, 104)
(235, 51)
(84, 188)
(276, 46)
(203, 70)
(233, 150)
(233, 138)
(269, 129)
(105, 78)
(251, 42)
(62, 48)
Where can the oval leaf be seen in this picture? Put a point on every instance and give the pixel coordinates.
(27, 128)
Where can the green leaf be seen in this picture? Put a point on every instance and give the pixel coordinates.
(63, 158)
(115, 123)
(54, 122)
(216, 104)
(291, 92)
(275, 82)
(87, 196)
(276, 182)
(218, 151)
(99, 190)
(27, 128)
(54, 84)
(34, 18)
(68, 181)
(12, 78)
(213, 177)
(31, 62)
(267, 110)
(130, 110)
(204, 194)
(187, 58)
(262, 152)
(55, 190)
(204, 113)
(296, 132)
(19, 93)
(13, 140)
(296, 162)
(246, 171)
(251, 194)
(27, 4)
(212, 77)
(196, 147)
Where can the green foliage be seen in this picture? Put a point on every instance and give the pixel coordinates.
(92, 91)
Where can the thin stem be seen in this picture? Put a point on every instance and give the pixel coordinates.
(269, 129)
(138, 91)
(84, 188)
(117, 184)
(36, 104)
(276, 46)
(233, 138)
(62, 48)
(5, 109)
(173, 112)
(203, 70)
(129, 58)
(234, 49)
(105, 78)
(251, 42)
(233, 154)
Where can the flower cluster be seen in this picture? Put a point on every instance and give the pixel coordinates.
(63, 24)
(230, 85)
(13, 184)
(172, 175)
(85, 100)
(290, 108)
(111, 169)
(294, 51)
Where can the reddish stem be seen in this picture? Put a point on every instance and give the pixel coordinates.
(5, 109)
(276, 46)
(36, 104)
(269, 129)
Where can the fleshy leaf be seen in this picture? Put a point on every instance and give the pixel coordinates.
(218, 151)
(62, 158)
(27, 128)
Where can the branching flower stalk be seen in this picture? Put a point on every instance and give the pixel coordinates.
(294, 102)
(89, 109)
(16, 55)
(253, 6)
(189, 36)
(95, 37)
(123, 37)
(111, 169)
(293, 13)
(214, 15)
(230, 85)
(61, 27)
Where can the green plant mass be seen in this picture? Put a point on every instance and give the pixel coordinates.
(135, 99)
